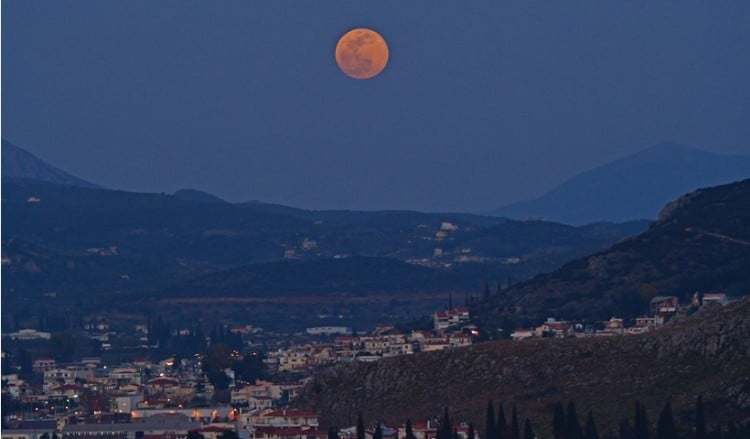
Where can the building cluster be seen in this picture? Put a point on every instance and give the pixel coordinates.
(661, 308)
(451, 329)
(89, 399)
(365, 348)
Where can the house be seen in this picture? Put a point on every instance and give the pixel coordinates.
(213, 431)
(265, 432)
(459, 340)
(553, 327)
(442, 320)
(421, 430)
(719, 298)
(664, 305)
(30, 334)
(175, 425)
(29, 429)
(43, 364)
(285, 418)
(329, 330)
(522, 333)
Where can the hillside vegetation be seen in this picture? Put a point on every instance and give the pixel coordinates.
(703, 354)
(701, 242)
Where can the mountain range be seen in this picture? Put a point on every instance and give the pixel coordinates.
(69, 240)
(635, 186)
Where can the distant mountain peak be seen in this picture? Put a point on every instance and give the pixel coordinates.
(17, 163)
(632, 187)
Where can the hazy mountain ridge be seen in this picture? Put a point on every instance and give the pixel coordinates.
(700, 243)
(635, 186)
(20, 164)
(703, 354)
(154, 228)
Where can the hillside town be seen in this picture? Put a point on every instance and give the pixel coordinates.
(173, 397)
(661, 308)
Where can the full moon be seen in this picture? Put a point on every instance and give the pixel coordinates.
(362, 53)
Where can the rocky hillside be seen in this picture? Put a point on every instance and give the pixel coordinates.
(701, 242)
(705, 353)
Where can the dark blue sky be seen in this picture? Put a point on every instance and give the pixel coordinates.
(482, 103)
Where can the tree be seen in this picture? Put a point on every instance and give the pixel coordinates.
(332, 433)
(62, 346)
(193, 434)
(360, 427)
(250, 368)
(486, 289)
(44, 435)
(503, 432)
(218, 357)
(559, 428)
(229, 434)
(94, 401)
(515, 429)
(573, 425)
(528, 432)
(591, 432)
(378, 434)
(640, 425)
(666, 428)
(626, 431)
(446, 429)
(700, 419)
(490, 431)
(410, 430)
(471, 434)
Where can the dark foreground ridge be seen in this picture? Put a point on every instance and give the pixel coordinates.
(703, 354)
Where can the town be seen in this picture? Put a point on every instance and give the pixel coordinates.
(176, 396)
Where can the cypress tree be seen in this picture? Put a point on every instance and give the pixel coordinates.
(490, 431)
(378, 434)
(591, 432)
(574, 426)
(486, 289)
(503, 432)
(446, 429)
(515, 429)
(666, 428)
(360, 427)
(528, 432)
(409, 430)
(559, 429)
(471, 434)
(332, 433)
(732, 432)
(700, 419)
(640, 426)
(626, 431)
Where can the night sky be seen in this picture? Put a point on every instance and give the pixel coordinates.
(482, 102)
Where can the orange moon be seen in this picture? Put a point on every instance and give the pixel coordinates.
(362, 53)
